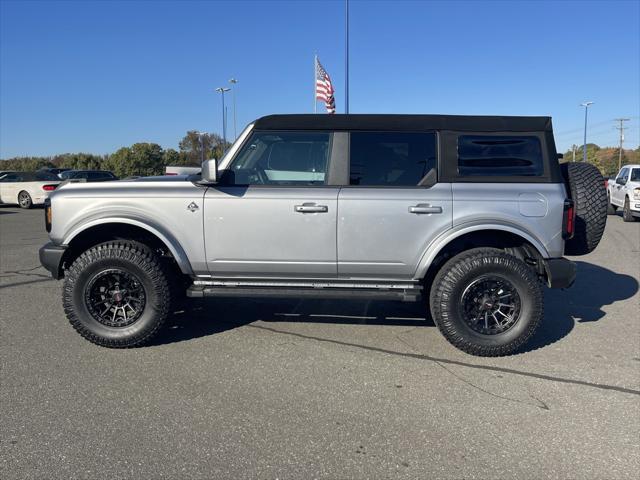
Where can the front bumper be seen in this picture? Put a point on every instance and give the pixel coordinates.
(51, 258)
(561, 273)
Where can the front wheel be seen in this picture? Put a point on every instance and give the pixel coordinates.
(486, 302)
(24, 200)
(627, 216)
(116, 294)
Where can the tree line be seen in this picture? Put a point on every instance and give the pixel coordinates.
(139, 159)
(605, 158)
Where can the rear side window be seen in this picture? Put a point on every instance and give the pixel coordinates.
(499, 155)
(391, 158)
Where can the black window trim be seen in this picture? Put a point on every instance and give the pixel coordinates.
(448, 166)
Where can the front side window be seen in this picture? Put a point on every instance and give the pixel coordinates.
(635, 175)
(281, 158)
(624, 173)
(499, 155)
(391, 158)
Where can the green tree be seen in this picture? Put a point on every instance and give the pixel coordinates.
(193, 143)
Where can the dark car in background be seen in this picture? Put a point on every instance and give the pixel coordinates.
(54, 171)
(88, 175)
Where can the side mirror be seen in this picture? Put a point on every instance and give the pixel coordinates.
(621, 181)
(210, 171)
(560, 156)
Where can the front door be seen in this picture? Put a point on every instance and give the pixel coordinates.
(618, 190)
(272, 214)
(392, 209)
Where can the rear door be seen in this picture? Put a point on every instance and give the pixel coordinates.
(273, 214)
(391, 210)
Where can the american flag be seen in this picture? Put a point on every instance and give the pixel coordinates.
(324, 88)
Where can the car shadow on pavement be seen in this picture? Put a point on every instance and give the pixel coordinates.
(595, 288)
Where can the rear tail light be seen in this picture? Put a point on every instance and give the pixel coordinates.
(568, 220)
(49, 188)
(171, 173)
(47, 214)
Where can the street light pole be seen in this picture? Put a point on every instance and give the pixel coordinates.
(233, 82)
(222, 90)
(346, 57)
(586, 106)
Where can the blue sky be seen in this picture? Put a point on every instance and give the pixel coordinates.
(94, 76)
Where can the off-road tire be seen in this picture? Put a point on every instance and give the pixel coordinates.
(586, 187)
(131, 257)
(627, 216)
(611, 208)
(458, 274)
(24, 200)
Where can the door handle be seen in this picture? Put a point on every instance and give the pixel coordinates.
(311, 208)
(424, 208)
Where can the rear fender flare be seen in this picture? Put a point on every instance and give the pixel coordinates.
(443, 240)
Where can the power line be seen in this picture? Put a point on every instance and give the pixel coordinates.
(622, 128)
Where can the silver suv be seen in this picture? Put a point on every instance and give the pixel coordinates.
(470, 214)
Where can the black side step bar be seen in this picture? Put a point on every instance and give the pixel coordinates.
(405, 295)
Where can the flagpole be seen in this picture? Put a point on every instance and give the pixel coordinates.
(315, 100)
(346, 58)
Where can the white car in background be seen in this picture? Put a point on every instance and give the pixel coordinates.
(27, 188)
(624, 192)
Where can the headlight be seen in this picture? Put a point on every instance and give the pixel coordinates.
(636, 193)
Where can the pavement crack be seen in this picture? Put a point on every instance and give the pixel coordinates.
(540, 403)
(540, 376)
(25, 272)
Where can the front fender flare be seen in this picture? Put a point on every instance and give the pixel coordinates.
(171, 243)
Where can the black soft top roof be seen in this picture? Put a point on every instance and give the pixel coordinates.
(391, 122)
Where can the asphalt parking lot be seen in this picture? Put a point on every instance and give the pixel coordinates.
(320, 389)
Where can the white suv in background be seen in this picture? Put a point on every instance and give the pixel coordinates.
(624, 193)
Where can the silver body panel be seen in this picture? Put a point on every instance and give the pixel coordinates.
(256, 231)
(379, 237)
(158, 207)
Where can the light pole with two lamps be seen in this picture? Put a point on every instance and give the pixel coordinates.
(222, 91)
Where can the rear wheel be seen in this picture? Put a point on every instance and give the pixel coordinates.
(116, 294)
(627, 216)
(486, 302)
(24, 200)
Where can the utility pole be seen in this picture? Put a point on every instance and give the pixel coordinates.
(573, 147)
(622, 128)
(586, 106)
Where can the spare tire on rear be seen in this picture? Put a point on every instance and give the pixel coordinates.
(586, 187)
